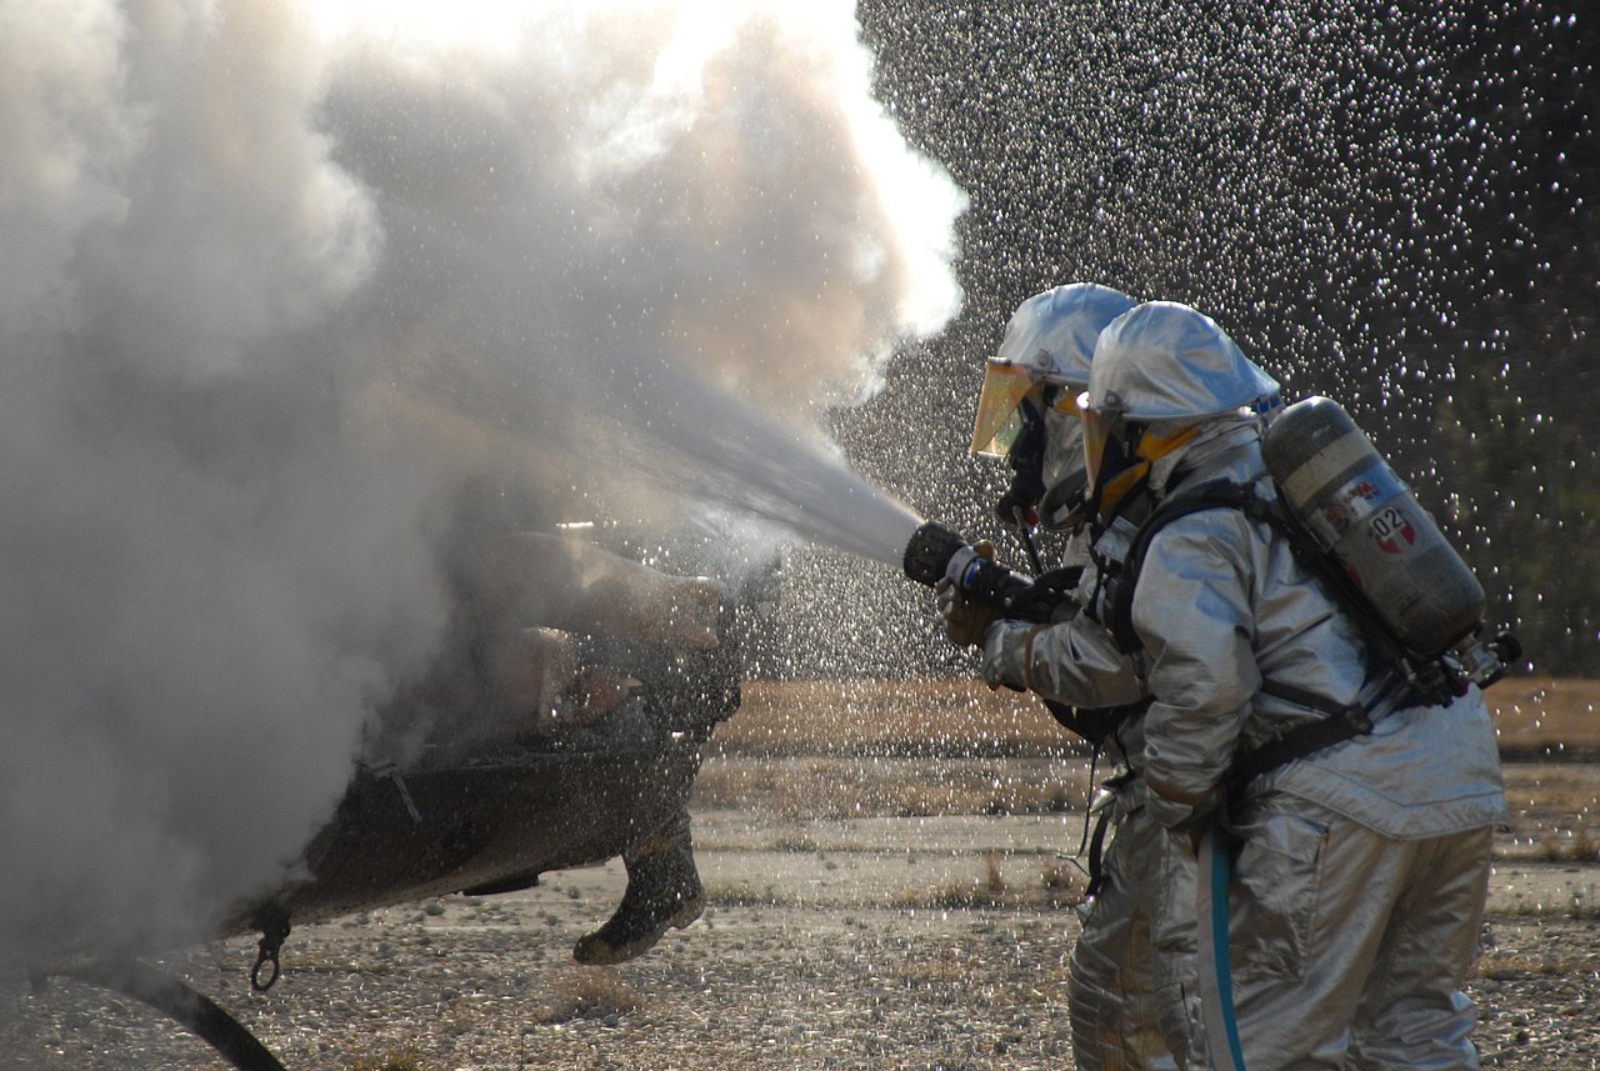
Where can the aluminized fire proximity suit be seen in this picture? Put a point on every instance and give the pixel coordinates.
(1133, 1001)
(1129, 1005)
(1112, 981)
(1123, 1017)
(1359, 886)
(1130, 995)
(1359, 891)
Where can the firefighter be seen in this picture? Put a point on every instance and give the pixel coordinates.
(1027, 415)
(1355, 814)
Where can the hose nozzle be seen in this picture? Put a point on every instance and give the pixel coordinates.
(936, 553)
(929, 552)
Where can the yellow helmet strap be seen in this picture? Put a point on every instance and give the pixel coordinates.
(1155, 447)
(1120, 486)
(1147, 448)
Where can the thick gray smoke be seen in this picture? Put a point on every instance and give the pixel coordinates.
(280, 284)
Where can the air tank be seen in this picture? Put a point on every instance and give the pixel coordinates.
(1343, 491)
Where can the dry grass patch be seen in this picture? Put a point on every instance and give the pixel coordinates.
(1056, 886)
(889, 717)
(1064, 883)
(1509, 966)
(1541, 712)
(800, 788)
(398, 1061)
(745, 894)
(1578, 904)
(592, 993)
(1579, 847)
(965, 717)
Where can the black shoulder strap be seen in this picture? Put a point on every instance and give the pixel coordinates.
(1217, 494)
(1094, 724)
(1339, 724)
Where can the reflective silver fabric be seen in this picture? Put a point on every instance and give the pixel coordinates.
(1127, 1000)
(1164, 361)
(1073, 662)
(1222, 604)
(1126, 996)
(1130, 977)
(1358, 892)
(1350, 949)
(1053, 334)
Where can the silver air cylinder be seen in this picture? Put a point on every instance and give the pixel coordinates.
(1353, 504)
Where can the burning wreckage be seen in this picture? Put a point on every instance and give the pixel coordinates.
(526, 748)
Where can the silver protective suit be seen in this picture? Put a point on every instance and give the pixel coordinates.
(1054, 334)
(1130, 994)
(1162, 361)
(1116, 1019)
(1130, 1005)
(1358, 892)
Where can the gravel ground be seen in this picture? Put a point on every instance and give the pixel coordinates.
(488, 985)
(883, 942)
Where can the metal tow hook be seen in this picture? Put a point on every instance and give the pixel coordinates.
(273, 933)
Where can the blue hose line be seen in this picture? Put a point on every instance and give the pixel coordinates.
(1216, 986)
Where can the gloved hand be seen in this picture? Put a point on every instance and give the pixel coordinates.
(1005, 654)
(965, 622)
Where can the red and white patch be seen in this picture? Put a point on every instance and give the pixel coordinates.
(1393, 531)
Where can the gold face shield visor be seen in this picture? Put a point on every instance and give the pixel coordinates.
(1096, 434)
(999, 421)
(1098, 429)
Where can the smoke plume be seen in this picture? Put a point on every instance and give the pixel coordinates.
(282, 284)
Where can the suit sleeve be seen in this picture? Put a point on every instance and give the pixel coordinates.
(1193, 610)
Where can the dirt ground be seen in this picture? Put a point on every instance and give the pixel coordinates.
(907, 909)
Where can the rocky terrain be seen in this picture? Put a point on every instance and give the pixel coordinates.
(891, 873)
(852, 928)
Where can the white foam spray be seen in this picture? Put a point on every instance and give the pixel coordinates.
(278, 282)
